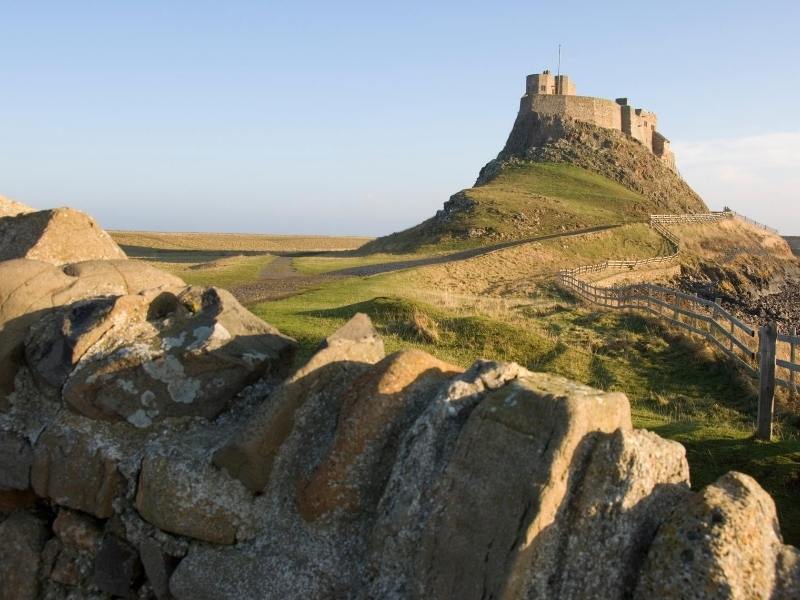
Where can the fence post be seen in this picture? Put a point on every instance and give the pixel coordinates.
(711, 328)
(733, 332)
(767, 340)
(793, 360)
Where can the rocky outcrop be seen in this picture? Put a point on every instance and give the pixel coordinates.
(375, 410)
(152, 356)
(23, 535)
(12, 208)
(724, 543)
(58, 236)
(31, 289)
(545, 138)
(153, 447)
(398, 477)
(343, 357)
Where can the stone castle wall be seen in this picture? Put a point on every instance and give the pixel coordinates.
(603, 113)
(555, 95)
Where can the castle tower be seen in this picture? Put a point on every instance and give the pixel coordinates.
(547, 83)
(550, 94)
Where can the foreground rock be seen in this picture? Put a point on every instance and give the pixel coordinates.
(58, 236)
(31, 289)
(148, 357)
(23, 536)
(343, 357)
(375, 410)
(12, 208)
(724, 543)
(388, 477)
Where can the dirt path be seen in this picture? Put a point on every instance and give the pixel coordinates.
(280, 279)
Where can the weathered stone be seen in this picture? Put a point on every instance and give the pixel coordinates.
(30, 289)
(65, 569)
(724, 542)
(410, 497)
(16, 458)
(12, 208)
(158, 567)
(127, 276)
(153, 356)
(357, 340)
(191, 499)
(59, 340)
(12, 500)
(518, 450)
(76, 465)
(57, 236)
(220, 574)
(77, 530)
(250, 455)
(23, 536)
(116, 567)
(52, 548)
(376, 409)
(596, 547)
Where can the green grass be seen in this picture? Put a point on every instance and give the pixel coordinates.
(224, 272)
(677, 387)
(525, 200)
(563, 193)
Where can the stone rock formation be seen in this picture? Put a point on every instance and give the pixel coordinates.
(153, 446)
(154, 355)
(12, 208)
(57, 236)
(29, 289)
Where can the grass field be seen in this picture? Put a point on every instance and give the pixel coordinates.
(232, 243)
(223, 272)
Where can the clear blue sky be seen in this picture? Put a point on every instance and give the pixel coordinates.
(363, 117)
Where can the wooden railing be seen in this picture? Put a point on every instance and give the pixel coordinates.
(765, 354)
(788, 374)
(754, 223)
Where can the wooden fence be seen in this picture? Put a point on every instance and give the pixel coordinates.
(754, 223)
(770, 356)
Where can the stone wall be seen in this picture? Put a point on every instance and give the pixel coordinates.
(601, 112)
(550, 95)
(662, 149)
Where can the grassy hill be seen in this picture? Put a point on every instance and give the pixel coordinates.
(554, 175)
(524, 200)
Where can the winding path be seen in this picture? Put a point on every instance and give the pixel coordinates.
(280, 279)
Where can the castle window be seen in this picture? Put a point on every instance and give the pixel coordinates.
(544, 88)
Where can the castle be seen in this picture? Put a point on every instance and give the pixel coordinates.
(555, 95)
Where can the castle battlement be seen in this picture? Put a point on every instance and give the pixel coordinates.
(556, 95)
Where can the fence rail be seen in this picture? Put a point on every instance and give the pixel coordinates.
(752, 222)
(766, 354)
